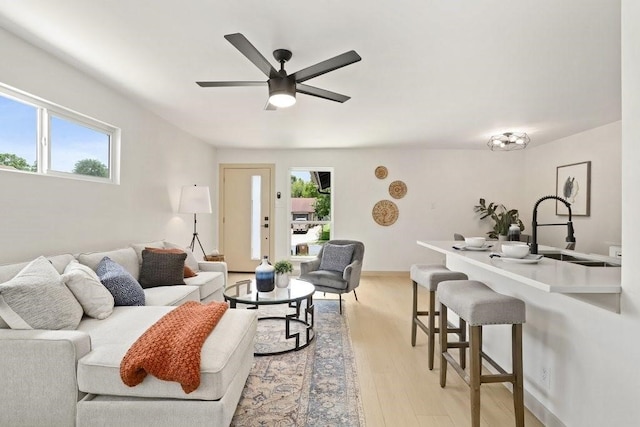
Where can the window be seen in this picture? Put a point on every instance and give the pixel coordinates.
(311, 215)
(39, 137)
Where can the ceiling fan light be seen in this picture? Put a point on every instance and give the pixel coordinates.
(282, 100)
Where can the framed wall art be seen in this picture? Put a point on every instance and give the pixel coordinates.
(573, 183)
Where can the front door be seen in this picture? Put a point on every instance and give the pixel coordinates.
(247, 209)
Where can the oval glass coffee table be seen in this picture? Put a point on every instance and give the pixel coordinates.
(298, 295)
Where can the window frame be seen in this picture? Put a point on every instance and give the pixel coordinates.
(45, 110)
(291, 221)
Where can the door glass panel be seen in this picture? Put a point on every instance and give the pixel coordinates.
(256, 193)
(311, 210)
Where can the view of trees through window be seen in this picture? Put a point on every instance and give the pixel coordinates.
(74, 144)
(310, 211)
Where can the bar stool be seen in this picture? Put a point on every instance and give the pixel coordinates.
(430, 276)
(478, 305)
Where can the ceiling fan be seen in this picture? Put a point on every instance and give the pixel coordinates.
(283, 86)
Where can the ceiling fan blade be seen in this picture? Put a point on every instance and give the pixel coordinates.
(247, 49)
(270, 107)
(229, 84)
(326, 66)
(321, 93)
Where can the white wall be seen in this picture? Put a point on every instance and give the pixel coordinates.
(601, 146)
(47, 215)
(443, 186)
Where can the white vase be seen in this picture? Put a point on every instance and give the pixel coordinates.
(282, 280)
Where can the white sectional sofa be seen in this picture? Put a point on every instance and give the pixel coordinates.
(72, 377)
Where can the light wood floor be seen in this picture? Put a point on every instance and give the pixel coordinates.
(396, 385)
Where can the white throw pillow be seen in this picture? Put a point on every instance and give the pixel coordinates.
(36, 298)
(191, 260)
(95, 299)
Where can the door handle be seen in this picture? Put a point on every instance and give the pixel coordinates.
(266, 226)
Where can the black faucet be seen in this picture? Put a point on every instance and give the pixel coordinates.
(535, 225)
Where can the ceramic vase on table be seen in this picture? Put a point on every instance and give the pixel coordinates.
(282, 280)
(265, 276)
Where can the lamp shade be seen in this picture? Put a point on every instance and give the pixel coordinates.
(194, 199)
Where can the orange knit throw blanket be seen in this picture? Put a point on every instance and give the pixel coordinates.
(170, 349)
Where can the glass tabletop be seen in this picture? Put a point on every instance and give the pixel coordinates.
(245, 292)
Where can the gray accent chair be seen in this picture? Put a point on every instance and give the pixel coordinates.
(335, 282)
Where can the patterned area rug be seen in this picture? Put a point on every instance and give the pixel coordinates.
(316, 386)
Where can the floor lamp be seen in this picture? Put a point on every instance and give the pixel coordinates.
(195, 200)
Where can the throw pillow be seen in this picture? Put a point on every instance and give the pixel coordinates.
(161, 269)
(124, 288)
(188, 272)
(36, 298)
(191, 260)
(84, 283)
(336, 257)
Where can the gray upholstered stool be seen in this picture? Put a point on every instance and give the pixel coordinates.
(478, 305)
(430, 276)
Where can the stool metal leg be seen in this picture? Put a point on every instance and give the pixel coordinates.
(443, 344)
(518, 391)
(414, 314)
(475, 371)
(432, 327)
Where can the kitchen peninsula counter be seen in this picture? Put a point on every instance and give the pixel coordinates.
(548, 275)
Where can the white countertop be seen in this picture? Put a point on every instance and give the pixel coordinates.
(548, 275)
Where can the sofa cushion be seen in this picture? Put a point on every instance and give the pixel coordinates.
(207, 281)
(126, 257)
(36, 298)
(326, 278)
(139, 247)
(171, 295)
(222, 354)
(124, 288)
(93, 296)
(161, 269)
(336, 257)
(191, 260)
(188, 272)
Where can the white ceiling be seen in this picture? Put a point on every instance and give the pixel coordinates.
(434, 73)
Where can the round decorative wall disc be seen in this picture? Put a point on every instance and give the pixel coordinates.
(381, 172)
(397, 189)
(385, 212)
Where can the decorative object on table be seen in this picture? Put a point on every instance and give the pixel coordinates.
(385, 212)
(214, 256)
(283, 268)
(381, 172)
(509, 141)
(265, 276)
(397, 189)
(501, 216)
(513, 234)
(573, 183)
(195, 200)
(514, 250)
(475, 242)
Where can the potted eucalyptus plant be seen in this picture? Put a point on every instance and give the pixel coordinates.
(283, 268)
(501, 216)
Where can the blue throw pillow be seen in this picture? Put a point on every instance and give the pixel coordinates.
(124, 288)
(336, 257)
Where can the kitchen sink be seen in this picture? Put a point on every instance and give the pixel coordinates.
(580, 261)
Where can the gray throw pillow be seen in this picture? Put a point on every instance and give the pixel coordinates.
(336, 257)
(161, 269)
(124, 288)
(37, 298)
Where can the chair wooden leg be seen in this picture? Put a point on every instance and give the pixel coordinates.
(443, 344)
(518, 391)
(414, 314)
(475, 349)
(463, 338)
(432, 327)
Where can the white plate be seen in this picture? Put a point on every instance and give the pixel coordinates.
(529, 259)
(472, 248)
